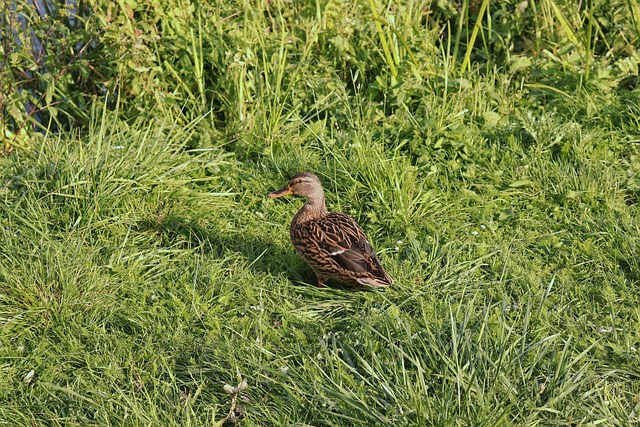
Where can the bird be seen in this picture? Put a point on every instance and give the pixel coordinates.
(332, 243)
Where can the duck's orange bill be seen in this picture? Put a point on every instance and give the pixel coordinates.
(281, 192)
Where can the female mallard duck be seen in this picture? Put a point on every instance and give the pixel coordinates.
(332, 243)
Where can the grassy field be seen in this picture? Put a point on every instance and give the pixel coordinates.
(147, 280)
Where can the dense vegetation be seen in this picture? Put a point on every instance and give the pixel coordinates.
(491, 150)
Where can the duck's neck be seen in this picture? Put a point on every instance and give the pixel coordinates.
(314, 207)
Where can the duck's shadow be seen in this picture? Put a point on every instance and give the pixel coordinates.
(263, 255)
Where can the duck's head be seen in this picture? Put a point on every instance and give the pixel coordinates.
(304, 184)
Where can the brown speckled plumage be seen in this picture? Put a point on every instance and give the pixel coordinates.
(332, 243)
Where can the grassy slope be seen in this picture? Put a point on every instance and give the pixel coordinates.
(139, 276)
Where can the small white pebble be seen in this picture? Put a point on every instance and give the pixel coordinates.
(483, 226)
(20, 348)
(284, 369)
(604, 330)
(475, 233)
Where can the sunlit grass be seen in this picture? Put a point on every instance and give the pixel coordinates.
(144, 275)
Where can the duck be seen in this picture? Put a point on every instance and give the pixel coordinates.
(332, 243)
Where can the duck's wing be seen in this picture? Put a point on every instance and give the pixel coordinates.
(338, 238)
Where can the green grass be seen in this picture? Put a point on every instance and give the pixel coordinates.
(144, 274)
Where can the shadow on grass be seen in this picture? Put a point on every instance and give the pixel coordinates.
(264, 256)
(631, 273)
